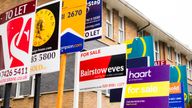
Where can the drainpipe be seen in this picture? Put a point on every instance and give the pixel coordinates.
(144, 27)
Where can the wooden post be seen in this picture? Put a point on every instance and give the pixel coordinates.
(61, 80)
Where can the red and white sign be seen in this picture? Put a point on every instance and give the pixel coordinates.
(160, 62)
(103, 68)
(17, 35)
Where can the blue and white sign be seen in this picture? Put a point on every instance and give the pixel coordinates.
(93, 28)
(71, 41)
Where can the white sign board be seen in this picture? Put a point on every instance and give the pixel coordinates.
(46, 43)
(103, 68)
(16, 32)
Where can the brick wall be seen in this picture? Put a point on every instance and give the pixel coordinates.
(130, 28)
(183, 59)
(162, 50)
(115, 25)
(48, 100)
(164, 54)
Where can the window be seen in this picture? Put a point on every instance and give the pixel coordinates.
(169, 50)
(157, 55)
(121, 30)
(177, 58)
(32, 86)
(189, 71)
(109, 28)
(18, 90)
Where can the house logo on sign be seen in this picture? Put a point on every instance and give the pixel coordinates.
(139, 75)
(18, 32)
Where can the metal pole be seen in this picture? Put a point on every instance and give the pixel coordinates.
(7, 95)
(76, 81)
(37, 90)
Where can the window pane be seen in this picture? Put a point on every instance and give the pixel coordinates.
(109, 30)
(169, 53)
(121, 36)
(121, 23)
(108, 15)
(156, 46)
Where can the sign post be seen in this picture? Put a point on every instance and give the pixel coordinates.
(115, 94)
(71, 39)
(176, 97)
(145, 87)
(76, 81)
(37, 90)
(16, 32)
(103, 68)
(179, 74)
(46, 43)
(99, 99)
(61, 81)
(7, 95)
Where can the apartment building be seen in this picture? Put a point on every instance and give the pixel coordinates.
(120, 22)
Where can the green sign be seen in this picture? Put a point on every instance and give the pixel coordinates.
(141, 47)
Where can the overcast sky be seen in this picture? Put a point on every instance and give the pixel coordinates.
(173, 16)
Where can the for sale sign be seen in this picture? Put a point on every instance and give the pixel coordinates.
(16, 32)
(103, 68)
(115, 94)
(179, 74)
(145, 87)
(176, 97)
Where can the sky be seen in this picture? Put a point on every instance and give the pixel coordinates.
(172, 16)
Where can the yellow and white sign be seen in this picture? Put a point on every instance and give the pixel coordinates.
(73, 25)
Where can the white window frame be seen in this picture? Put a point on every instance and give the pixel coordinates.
(32, 92)
(156, 51)
(109, 24)
(107, 92)
(121, 29)
(169, 53)
(189, 71)
(177, 58)
(189, 63)
(18, 91)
